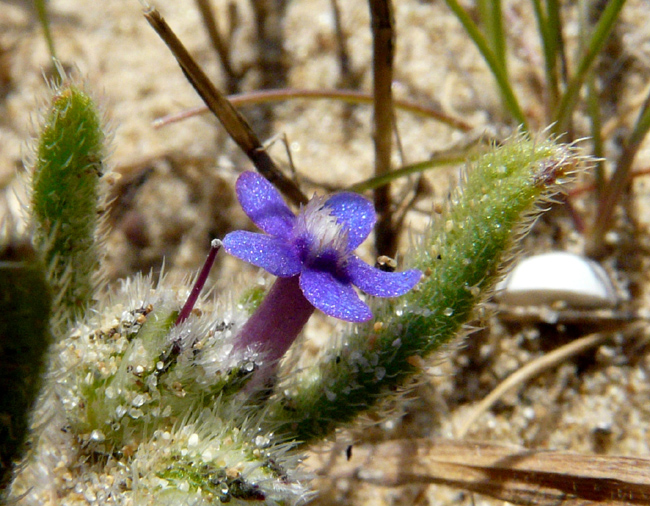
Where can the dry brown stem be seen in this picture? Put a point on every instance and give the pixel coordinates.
(234, 123)
(383, 36)
(513, 474)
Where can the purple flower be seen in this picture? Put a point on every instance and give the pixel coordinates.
(317, 246)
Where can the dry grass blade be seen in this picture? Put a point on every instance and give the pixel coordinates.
(348, 96)
(543, 363)
(513, 474)
(234, 123)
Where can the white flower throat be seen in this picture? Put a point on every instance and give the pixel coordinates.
(326, 234)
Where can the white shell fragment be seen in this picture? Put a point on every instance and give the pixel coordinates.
(557, 277)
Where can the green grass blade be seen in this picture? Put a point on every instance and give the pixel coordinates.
(554, 20)
(615, 187)
(491, 59)
(550, 58)
(596, 42)
(451, 157)
(593, 110)
(492, 21)
(43, 18)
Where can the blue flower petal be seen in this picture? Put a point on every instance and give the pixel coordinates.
(270, 253)
(263, 204)
(333, 297)
(356, 213)
(380, 283)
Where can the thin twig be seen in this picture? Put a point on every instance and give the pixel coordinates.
(574, 192)
(383, 35)
(419, 189)
(234, 123)
(350, 96)
(221, 48)
(347, 78)
(272, 61)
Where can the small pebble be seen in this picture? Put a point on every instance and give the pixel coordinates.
(557, 277)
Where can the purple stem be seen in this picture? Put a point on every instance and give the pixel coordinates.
(276, 323)
(215, 246)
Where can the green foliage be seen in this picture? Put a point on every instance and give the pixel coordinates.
(566, 76)
(167, 412)
(65, 197)
(43, 18)
(495, 61)
(253, 297)
(594, 46)
(172, 405)
(24, 341)
(491, 44)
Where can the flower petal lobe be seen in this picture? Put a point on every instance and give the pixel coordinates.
(264, 205)
(271, 254)
(333, 297)
(356, 213)
(379, 283)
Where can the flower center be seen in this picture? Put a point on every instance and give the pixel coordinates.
(321, 239)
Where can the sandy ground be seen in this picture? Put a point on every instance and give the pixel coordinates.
(175, 191)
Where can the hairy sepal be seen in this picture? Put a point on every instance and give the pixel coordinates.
(66, 167)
